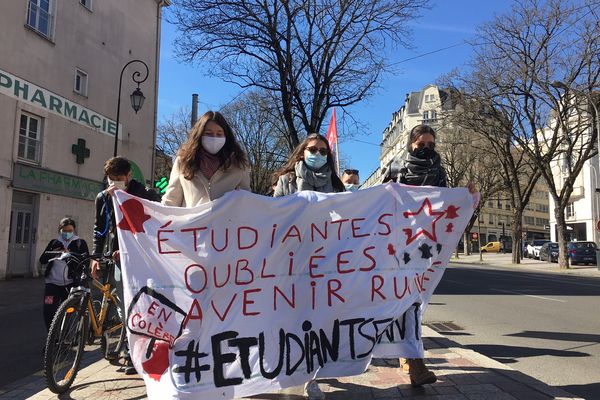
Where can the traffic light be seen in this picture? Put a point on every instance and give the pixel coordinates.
(161, 185)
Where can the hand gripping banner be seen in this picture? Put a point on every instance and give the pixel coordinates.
(250, 294)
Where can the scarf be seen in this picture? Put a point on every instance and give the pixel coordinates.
(319, 180)
(209, 164)
(423, 172)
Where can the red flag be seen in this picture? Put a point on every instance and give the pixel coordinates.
(332, 136)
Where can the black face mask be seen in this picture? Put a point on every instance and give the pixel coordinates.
(423, 153)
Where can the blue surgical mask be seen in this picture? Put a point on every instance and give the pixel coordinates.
(351, 187)
(66, 235)
(315, 161)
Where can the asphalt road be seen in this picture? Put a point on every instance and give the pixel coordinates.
(542, 324)
(22, 328)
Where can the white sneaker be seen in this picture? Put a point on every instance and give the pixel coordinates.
(311, 388)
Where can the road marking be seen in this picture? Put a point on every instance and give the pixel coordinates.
(504, 270)
(528, 295)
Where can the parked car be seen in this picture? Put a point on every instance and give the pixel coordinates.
(533, 249)
(492, 247)
(549, 252)
(582, 252)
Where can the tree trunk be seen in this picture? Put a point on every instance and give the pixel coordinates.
(466, 243)
(517, 227)
(561, 225)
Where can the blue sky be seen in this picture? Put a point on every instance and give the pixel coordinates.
(448, 22)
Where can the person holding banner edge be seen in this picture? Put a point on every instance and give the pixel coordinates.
(117, 170)
(421, 166)
(210, 164)
(310, 167)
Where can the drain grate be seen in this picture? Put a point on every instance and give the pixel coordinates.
(445, 326)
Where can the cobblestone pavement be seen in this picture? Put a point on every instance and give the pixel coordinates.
(462, 375)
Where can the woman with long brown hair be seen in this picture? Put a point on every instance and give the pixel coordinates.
(310, 167)
(210, 164)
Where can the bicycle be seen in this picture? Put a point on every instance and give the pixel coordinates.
(69, 331)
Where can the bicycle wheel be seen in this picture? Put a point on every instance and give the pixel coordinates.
(113, 335)
(64, 345)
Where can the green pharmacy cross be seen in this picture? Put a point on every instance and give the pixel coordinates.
(80, 151)
(162, 184)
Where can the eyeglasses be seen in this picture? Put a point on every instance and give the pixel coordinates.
(315, 149)
(351, 171)
(429, 145)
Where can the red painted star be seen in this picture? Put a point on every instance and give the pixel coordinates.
(427, 210)
(451, 212)
(133, 216)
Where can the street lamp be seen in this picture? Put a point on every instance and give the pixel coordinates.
(137, 97)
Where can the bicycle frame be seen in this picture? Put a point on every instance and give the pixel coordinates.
(107, 296)
(107, 290)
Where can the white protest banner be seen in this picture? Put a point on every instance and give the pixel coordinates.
(250, 294)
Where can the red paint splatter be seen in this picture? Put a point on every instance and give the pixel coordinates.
(158, 362)
(391, 249)
(451, 212)
(133, 216)
(450, 228)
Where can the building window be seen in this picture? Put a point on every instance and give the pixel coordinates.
(490, 204)
(30, 140)
(542, 221)
(570, 210)
(39, 16)
(81, 82)
(529, 220)
(433, 115)
(425, 115)
(507, 206)
(86, 3)
(491, 219)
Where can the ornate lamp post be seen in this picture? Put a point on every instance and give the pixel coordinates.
(137, 97)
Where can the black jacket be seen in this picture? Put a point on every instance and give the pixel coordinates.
(78, 246)
(105, 226)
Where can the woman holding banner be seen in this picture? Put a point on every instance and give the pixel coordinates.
(210, 164)
(310, 167)
(422, 166)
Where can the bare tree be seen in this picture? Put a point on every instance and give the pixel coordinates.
(466, 159)
(172, 131)
(516, 59)
(312, 55)
(258, 128)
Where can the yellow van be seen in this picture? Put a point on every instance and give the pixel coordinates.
(492, 247)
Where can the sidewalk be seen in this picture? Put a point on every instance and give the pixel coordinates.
(529, 264)
(462, 375)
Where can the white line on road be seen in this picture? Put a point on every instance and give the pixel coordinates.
(499, 270)
(528, 295)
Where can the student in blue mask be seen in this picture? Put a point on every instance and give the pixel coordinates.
(310, 167)
(59, 273)
(351, 180)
